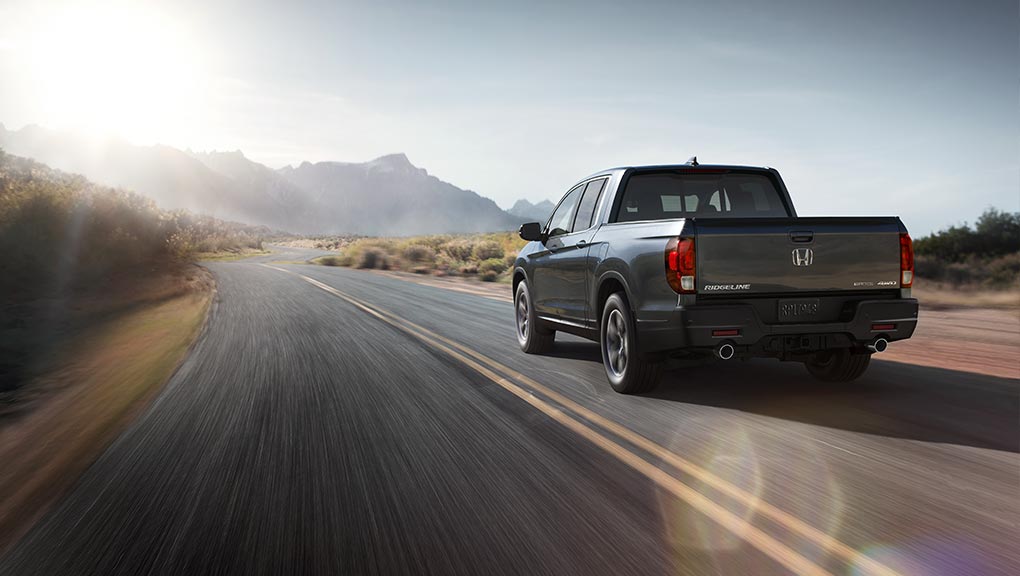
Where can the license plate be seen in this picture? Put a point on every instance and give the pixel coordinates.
(798, 310)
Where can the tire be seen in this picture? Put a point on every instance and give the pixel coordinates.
(533, 337)
(839, 365)
(629, 372)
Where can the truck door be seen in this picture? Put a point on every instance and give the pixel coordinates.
(561, 276)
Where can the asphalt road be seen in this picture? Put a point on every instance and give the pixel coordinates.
(337, 421)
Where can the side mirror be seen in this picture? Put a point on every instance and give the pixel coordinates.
(531, 231)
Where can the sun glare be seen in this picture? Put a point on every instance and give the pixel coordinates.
(123, 69)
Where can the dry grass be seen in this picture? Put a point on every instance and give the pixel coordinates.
(230, 255)
(486, 257)
(940, 297)
(121, 347)
(335, 242)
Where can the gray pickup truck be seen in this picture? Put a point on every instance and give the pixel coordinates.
(694, 260)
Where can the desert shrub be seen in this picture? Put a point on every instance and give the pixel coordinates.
(495, 265)
(510, 241)
(487, 249)
(459, 249)
(435, 242)
(331, 261)
(959, 273)
(489, 276)
(468, 268)
(418, 253)
(444, 263)
(373, 258)
(928, 267)
(58, 229)
(1004, 271)
(995, 273)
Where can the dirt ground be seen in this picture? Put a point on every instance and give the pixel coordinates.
(968, 339)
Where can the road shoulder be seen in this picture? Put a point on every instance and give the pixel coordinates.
(106, 362)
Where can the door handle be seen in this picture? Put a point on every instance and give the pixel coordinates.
(581, 243)
(802, 236)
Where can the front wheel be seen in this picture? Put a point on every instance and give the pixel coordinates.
(628, 371)
(531, 335)
(839, 365)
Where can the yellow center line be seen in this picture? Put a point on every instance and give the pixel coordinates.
(792, 523)
(754, 536)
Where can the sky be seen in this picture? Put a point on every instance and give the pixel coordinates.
(866, 108)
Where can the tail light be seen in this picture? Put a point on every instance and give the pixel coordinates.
(906, 261)
(680, 265)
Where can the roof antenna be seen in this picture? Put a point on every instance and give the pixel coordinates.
(692, 161)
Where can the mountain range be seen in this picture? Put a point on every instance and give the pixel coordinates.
(532, 212)
(386, 196)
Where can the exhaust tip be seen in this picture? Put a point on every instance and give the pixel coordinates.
(879, 345)
(725, 351)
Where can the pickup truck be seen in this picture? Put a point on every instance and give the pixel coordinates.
(696, 260)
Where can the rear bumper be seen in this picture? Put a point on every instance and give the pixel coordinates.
(693, 326)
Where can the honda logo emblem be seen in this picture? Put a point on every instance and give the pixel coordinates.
(803, 257)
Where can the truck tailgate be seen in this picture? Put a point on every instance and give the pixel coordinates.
(792, 255)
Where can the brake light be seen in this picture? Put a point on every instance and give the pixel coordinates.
(906, 261)
(680, 265)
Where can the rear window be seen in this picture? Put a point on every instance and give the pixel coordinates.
(663, 195)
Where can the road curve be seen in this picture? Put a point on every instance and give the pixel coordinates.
(338, 421)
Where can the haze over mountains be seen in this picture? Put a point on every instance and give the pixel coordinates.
(386, 196)
(532, 212)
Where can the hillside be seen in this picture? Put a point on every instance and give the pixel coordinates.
(58, 230)
(171, 177)
(386, 196)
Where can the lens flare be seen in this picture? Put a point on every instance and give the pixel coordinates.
(800, 479)
(123, 69)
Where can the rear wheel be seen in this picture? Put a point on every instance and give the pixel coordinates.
(531, 335)
(628, 371)
(839, 365)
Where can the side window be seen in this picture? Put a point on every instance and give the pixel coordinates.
(586, 209)
(564, 214)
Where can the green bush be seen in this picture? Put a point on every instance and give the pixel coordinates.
(996, 233)
(987, 255)
(494, 265)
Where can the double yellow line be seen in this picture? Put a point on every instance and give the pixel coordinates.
(526, 388)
